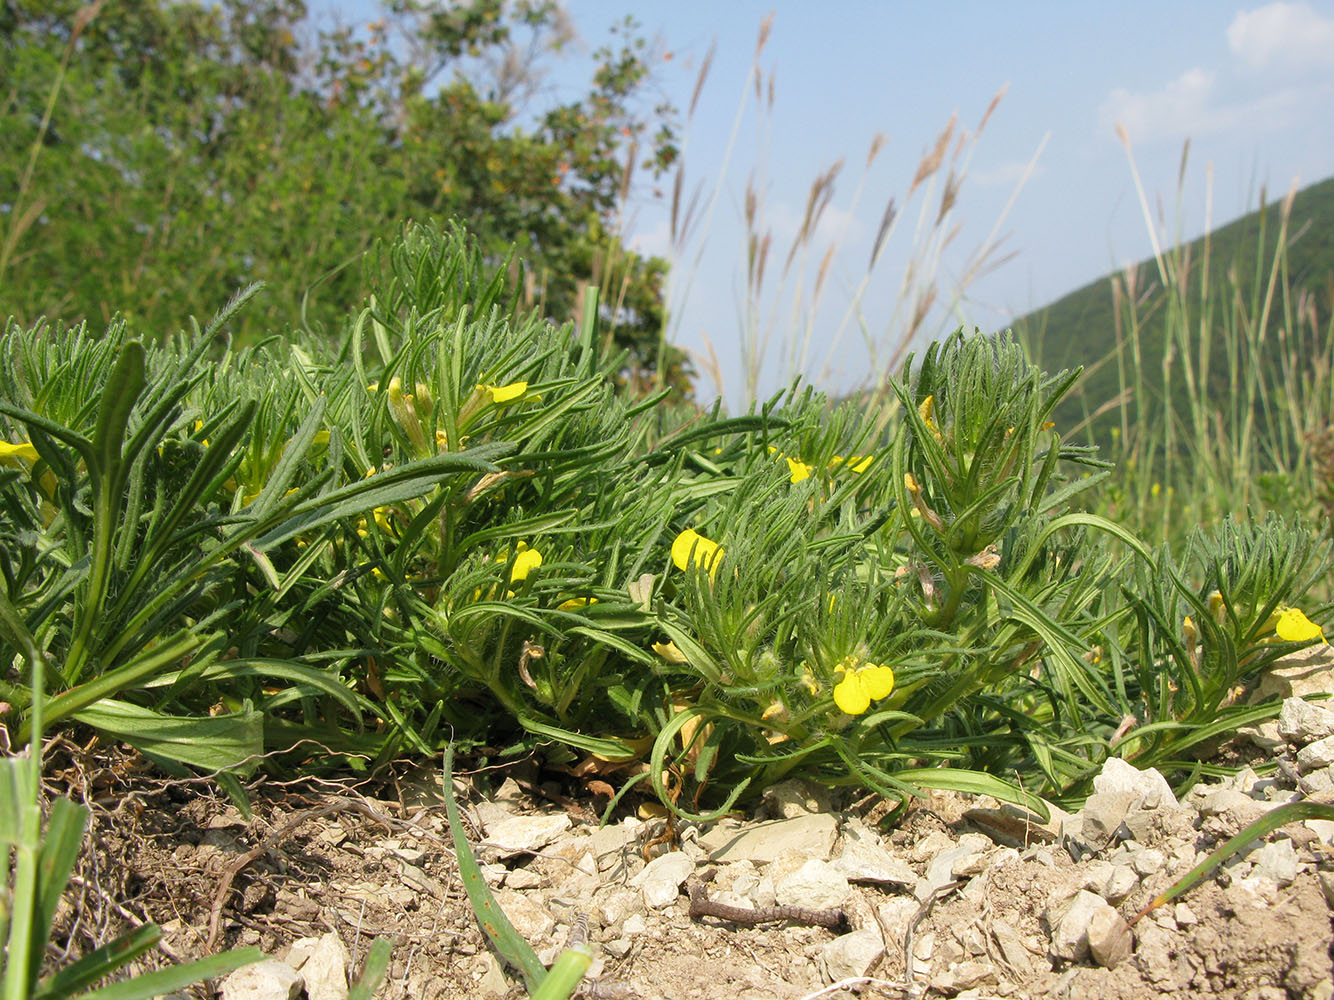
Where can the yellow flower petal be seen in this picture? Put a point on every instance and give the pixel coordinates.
(799, 470)
(878, 680)
(851, 696)
(670, 652)
(808, 680)
(927, 412)
(776, 710)
(690, 544)
(1294, 626)
(12, 454)
(525, 562)
(576, 602)
(505, 393)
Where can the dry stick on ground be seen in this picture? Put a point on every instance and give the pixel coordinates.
(224, 887)
(922, 911)
(702, 906)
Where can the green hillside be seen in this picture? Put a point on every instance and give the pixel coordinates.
(1081, 328)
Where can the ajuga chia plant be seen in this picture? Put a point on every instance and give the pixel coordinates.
(148, 570)
(995, 557)
(895, 614)
(1204, 627)
(457, 518)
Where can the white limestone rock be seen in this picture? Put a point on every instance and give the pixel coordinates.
(816, 885)
(266, 980)
(517, 835)
(322, 962)
(851, 955)
(660, 881)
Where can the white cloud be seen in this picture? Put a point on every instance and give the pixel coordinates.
(1277, 40)
(1287, 35)
(1188, 107)
(1182, 107)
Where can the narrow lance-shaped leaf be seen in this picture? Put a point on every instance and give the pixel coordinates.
(507, 941)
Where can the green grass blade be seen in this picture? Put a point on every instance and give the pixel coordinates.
(1272, 820)
(290, 464)
(373, 972)
(155, 984)
(213, 743)
(507, 941)
(118, 398)
(567, 972)
(607, 747)
(324, 681)
(99, 963)
(405, 482)
(972, 783)
(19, 971)
(169, 653)
(55, 861)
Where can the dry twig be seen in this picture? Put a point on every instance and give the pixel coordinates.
(702, 906)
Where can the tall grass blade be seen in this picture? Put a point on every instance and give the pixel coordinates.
(499, 931)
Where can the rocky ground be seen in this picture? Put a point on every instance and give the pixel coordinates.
(965, 897)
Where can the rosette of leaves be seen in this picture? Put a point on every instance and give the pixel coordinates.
(999, 561)
(146, 583)
(783, 594)
(504, 595)
(1206, 625)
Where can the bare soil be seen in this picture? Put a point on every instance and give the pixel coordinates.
(374, 860)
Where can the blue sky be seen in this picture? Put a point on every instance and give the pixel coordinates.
(1250, 84)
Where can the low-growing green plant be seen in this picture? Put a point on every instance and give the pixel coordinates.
(463, 520)
(1205, 626)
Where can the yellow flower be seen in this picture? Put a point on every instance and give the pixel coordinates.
(799, 470)
(861, 685)
(857, 463)
(927, 412)
(504, 393)
(670, 652)
(14, 454)
(690, 546)
(525, 561)
(1294, 626)
(576, 602)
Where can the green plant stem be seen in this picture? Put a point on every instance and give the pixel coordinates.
(20, 954)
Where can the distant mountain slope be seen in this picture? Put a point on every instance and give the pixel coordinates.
(1080, 328)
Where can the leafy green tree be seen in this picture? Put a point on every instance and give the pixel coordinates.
(155, 156)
